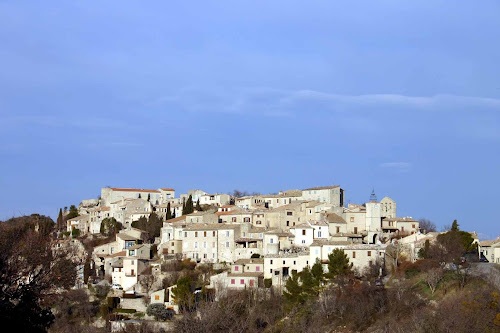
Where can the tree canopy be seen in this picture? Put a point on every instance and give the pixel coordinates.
(110, 226)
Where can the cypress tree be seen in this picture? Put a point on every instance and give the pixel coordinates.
(173, 214)
(60, 220)
(169, 213)
(189, 206)
(198, 207)
(149, 197)
(183, 206)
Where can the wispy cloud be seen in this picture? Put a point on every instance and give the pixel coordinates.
(269, 101)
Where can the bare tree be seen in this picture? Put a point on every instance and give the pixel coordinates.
(433, 277)
(427, 225)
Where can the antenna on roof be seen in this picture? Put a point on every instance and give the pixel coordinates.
(373, 196)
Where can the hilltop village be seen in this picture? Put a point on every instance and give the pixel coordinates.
(144, 240)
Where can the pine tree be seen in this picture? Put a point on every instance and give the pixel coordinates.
(198, 207)
(293, 290)
(338, 264)
(317, 271)
(309, 285)
(169, 213)
(73, 212)
(60, 220)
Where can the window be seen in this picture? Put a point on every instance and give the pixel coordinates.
(283, 262)
(338, 229)
(185, 234)
(303, 241)
(352, 218)
(287, 223)
(196, 234)
(204, 234)
(257, 269)
(319, 233)
(271, 262)
(258, 222)
(233, 219)
(355, 230)
(413, 226)
(131, 262)
(252, 283)
(213, 234)
(157, 297)
(369, 253)
(270, 270)
(289, 213)
(303, 232)
(227, 244)
(195, 245)
(236, 268)
(242, 281)
(227, 233)
(294, 262)
(246, 219)
(271, 241)
(353, 254)
(232, 281)
(205, 245)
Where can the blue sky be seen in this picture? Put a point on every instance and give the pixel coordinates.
(399, 96)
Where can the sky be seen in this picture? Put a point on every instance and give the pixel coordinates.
(402, 97)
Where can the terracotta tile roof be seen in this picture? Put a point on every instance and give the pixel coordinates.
(321, 188)
(167, 189)
(177, 219)
(330, 242)
(302, 226)
(215, 226)
(118, 254)
(334, 218)
(246, 274)
(234, 212)
(249, 261)
(133, 190)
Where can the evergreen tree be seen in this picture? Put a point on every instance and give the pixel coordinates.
(169, 213)
(293, 291)
(309, 286)
(317, 271)
(60, 221)
(454, 226)
(149, 197)
(110, 226)
(183, 293)
(338, 264)
(73, 212)
(198, 207)
(173, 214)
(183, 206)
(189, 206)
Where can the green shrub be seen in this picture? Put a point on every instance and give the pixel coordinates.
(268, 283)
(159, 311)
(255, 255)
(75, 233)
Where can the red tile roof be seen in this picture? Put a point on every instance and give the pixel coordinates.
(133, 190)
(167, 189)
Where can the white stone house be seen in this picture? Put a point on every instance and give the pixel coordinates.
(304, 234)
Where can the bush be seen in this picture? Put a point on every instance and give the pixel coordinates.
(159, 311)
(255, 255)
(101, 291)
(125, 310)
(75, 233)
(66, 233)
(268, 283)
